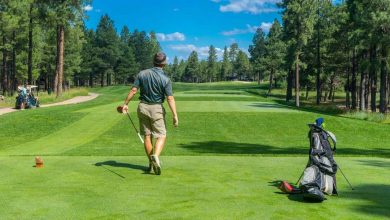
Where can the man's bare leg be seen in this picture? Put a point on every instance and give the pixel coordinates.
(148, 146)
(158, 147)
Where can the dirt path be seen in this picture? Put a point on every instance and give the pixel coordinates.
(75, 100)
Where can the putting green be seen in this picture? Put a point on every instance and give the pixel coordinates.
(211, 187)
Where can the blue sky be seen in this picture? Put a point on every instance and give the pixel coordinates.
(186, 25)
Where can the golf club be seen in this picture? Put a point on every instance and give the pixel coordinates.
(345, 178)
(119, 109)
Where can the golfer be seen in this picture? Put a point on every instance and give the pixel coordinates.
(155, 86)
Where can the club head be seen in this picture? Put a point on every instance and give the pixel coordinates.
(119, 109)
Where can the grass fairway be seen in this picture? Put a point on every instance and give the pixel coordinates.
(221, 163)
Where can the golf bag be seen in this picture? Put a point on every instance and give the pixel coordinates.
(319, 177)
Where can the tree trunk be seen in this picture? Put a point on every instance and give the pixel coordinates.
(347, 92)
(334, 92)
(383, 88)
(366, 91)
(258, 78)
(91, 80)
(60, 60)
(289, 85)
(318, 77)
(12, 79)
(102, 79)
(331, 86)
(30, 47)
(271, 76)
(373, 77)
(353, 83)
(4, 79)
(297, 81)
(275, 82)
(362, 89)
(325, 96)
(307, 92)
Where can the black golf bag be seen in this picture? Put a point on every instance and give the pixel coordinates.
(319, 177)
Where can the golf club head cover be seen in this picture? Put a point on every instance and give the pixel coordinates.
(319, 122)
(119, 109)
(288, 188)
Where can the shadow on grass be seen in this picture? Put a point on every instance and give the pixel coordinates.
(378, 152)
(376, 199)
(321, 109)
(222, 147)
(376, 163)
(297, 196)
(113, 163)
(270, 105)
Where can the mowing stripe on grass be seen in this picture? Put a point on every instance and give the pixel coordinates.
(96, 122)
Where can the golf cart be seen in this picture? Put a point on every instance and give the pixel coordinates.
(26, 98)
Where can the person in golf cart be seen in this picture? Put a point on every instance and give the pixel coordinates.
(26, 98)
(155, 86)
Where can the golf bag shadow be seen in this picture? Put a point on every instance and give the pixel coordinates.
(319, 177)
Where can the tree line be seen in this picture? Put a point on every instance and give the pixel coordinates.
(324, 47)
(46, 43)
(316, 46)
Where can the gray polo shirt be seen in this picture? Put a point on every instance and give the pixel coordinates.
(154, 85)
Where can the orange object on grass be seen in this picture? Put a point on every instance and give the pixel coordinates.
(38, 162)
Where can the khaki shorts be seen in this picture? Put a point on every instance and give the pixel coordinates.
(152, 120)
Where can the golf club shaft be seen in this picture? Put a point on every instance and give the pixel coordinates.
(345, 178)
(136, 130)
(300, 178)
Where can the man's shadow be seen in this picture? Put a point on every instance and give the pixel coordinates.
(113, 163)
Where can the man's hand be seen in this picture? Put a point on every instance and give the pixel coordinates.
(175, 121)
(125, 109)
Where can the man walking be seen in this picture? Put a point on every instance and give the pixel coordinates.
(155, 86)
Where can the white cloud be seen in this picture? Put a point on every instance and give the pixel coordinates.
(249, 29)
(250, 6)
(265, 26)
(203, 52)
(88, 8)
(171, 37)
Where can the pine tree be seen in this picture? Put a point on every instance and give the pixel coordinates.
(212, 63)
(242, 65)
(257, 51)
(275, 52)
(233, 53)
(192, 68)
(126, 67)
(298, 19)
(226, 65)
(107, 49)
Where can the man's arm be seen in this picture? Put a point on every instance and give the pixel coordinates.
(172, 106)
(131, 94)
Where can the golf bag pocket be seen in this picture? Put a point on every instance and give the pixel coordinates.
(328, 185)
(312, 184)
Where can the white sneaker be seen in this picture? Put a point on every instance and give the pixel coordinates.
(156, 165)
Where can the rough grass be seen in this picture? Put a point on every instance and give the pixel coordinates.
(221, 163)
